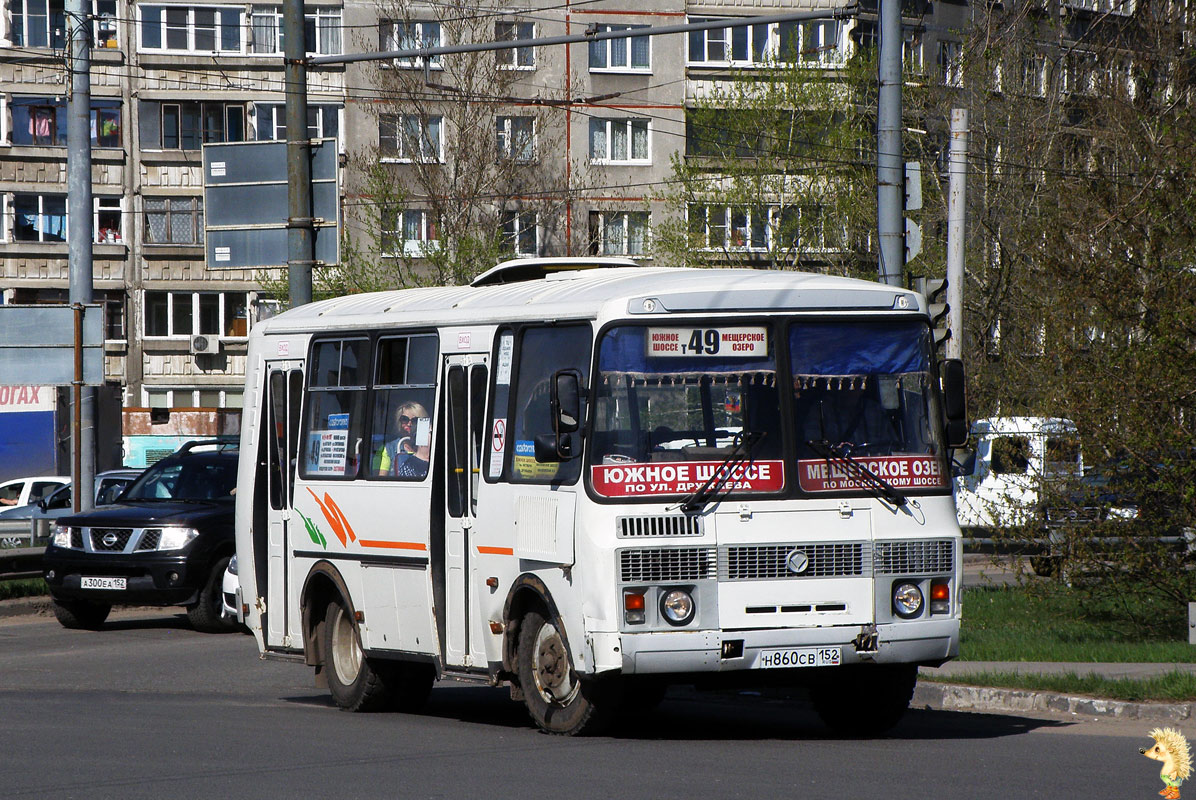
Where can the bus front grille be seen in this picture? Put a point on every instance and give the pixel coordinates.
(771, 561)
(914, 557)
(667, 564)
(669, 525)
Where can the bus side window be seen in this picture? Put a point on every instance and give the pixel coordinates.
(543, 351)
(334, 425)
(404, 377)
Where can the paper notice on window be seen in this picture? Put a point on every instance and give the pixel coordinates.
(423, 432)
(506, 349)
(331, 446)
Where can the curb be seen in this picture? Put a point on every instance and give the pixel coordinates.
(958, 697)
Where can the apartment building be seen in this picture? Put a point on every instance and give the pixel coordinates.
(166, 79)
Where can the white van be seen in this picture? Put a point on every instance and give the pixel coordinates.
(1000, 485)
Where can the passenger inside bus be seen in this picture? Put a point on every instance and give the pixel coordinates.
(407, 449)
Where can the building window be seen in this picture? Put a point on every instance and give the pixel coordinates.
(191, 29)
(114, 314)
(410, 36)
(174, 220)
(515, 57)
(621, 55)
(212, 397)
(188, 125)
(321, 31)
(619, 141)
(809, 42)
(179, 314)
(413, 233)
(744, 45)
(619, 233)
(41, 122)
(951, 64)
(520, 234)
(911, 51)
(515, 138)
(39, 218)
(730, 227)
(323, 121)
(106, 223)
(408, 137)
(38, 23)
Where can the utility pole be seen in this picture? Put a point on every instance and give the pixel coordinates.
(300, 225)
(79, 211)
(957, 183)
(890, 168)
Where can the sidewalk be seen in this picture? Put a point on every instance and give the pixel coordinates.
(960, 697)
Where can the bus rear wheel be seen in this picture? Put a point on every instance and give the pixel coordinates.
(558, 700)
(354, 683)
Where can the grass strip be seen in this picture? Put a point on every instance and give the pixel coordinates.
(23, 587)
(1176, 686)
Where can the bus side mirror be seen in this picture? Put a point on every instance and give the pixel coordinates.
(565, 405)
(955, 405)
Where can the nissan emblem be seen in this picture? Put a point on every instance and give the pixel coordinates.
(110, 539)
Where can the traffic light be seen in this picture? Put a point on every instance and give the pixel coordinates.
(935, 291)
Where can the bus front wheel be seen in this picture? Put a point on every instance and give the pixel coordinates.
(354, 683)
(558, 700)
(864, 700)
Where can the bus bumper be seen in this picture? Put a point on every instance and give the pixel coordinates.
(920, 642)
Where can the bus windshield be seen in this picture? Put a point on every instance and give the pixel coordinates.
(674, 403)
(862, 390)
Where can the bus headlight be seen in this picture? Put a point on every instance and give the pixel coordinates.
(907, 600)
(677, 607)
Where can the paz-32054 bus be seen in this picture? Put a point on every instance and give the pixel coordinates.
(588, 480)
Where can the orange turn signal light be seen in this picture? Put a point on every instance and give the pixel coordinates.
(633, 602)
(940, 591)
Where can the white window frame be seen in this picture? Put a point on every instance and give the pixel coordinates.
(400, 154)
(422, 245)
(272, 45)
(505, 143)
(143, 25)
(10, 217)
(107, 203)
(913, 51)
(519, 222)
(178, 392)
(601, 219)
(267, 116)
(609, 47)
(826, 50)
(177, 295)
(950, 63)
(631, 124)
(421, 27)
(519, 30)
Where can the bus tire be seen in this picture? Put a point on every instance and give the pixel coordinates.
(864, 700)
(81, 615)
(352, 680)
(558, 700)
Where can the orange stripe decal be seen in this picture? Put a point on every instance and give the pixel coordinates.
(340, 515)
(496, 551)
(393, 545)
(332, 519)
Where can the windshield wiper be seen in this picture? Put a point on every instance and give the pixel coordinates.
(838, 454)
(697, 500)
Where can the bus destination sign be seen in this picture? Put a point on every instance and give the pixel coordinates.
(900, 472)
(641, 480)
(737, 342)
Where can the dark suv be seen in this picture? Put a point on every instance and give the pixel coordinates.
(165, 542)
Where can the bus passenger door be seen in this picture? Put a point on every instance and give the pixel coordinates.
(465, 383)
(284, 393)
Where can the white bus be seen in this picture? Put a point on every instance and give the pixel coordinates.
(589, 479)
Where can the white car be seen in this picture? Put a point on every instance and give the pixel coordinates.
(229, 590)
(25, 491)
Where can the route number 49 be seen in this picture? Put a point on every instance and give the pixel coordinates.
(703, 342)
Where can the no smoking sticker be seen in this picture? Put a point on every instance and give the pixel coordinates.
(498, 446)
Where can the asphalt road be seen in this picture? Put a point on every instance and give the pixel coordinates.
(148, 708)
